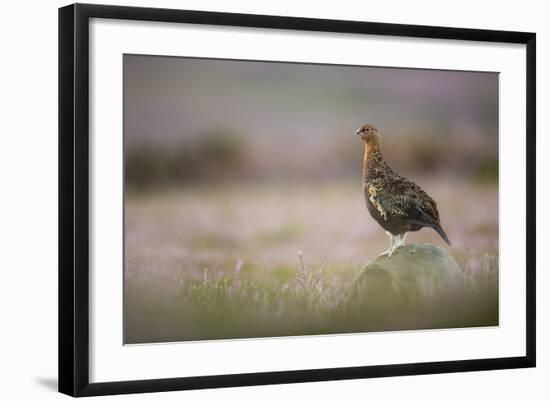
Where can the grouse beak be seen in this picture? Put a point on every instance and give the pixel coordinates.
(358, 132)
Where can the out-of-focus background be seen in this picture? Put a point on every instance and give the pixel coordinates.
(233, 168)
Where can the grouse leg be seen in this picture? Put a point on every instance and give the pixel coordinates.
(394, 239)
(401, 239)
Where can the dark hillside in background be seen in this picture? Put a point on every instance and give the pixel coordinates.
(192, 119)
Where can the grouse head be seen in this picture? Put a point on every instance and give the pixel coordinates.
(368, 133)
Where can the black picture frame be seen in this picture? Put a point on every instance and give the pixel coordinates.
(74, 193)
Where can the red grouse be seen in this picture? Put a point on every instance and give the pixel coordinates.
(396, 203)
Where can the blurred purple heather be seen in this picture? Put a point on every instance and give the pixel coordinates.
(190, 119)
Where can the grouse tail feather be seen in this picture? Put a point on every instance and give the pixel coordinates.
(440, 231)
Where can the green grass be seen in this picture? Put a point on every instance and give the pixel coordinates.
(301, 301)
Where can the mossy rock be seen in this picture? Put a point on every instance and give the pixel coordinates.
(415, 277)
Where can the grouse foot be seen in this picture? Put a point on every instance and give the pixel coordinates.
(395, 242)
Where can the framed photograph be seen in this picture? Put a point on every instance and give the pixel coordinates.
(251, 199)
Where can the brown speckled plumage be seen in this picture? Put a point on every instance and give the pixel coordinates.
(396, 203)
